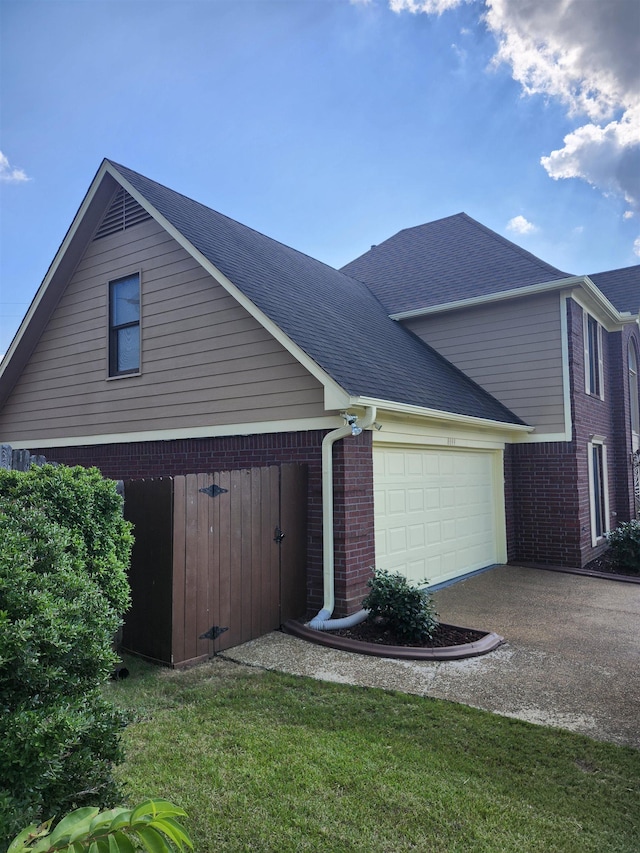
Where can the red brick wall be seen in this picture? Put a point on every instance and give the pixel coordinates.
(545, 504)
(353, 478)
(353, 521)
(509, 506)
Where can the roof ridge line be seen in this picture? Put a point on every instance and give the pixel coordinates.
(519, 249)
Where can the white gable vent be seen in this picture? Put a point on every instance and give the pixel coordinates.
(124, 212)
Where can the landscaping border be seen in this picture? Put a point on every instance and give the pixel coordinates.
(485, 644)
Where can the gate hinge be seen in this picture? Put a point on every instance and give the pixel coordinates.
(213, 633)
(213, 491)
(278, 535)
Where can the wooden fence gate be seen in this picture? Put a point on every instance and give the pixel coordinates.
(221, 550)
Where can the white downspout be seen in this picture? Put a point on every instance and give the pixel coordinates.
(323, 621)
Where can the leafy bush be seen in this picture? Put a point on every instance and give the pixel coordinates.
(152, 824)
(625, 546)
(408, 609)
(64, 548)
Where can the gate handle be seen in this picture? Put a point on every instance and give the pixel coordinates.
(278, 535)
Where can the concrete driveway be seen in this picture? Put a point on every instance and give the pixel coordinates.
(571, 657)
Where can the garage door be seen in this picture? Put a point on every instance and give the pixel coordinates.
(435, 512)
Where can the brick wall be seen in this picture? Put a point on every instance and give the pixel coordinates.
(353, 521)
(545, 504)
(353, 477)
(509, 506)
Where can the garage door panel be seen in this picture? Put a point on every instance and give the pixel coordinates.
(416, 536)
(435, 511)
(397, 540)
(415, 500)
(396, 502)
(432, 498)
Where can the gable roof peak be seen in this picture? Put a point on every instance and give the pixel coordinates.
(448, 260)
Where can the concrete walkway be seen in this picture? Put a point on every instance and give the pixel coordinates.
(571, 657)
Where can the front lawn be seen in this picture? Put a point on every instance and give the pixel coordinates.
(263, 761)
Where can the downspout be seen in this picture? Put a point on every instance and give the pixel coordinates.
(323, 620)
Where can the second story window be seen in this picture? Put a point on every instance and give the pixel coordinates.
(593, 372)
(124, 325)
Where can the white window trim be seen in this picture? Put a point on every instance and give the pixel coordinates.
(595, 539)
(587, 356)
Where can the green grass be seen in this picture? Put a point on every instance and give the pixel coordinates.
(263, 761)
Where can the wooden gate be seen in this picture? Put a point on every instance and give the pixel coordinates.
(218, 550)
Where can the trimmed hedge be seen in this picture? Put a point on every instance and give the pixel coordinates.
(64, 550)
(625, 547)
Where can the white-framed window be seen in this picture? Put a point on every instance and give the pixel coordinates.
(593, 369)
(598, 489)
(633, 396)
(124, 325)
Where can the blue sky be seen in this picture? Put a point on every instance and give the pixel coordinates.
(326, 124)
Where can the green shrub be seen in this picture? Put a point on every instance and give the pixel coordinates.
(407, 609)
(152, 825)
(625, 546)
(64, 548)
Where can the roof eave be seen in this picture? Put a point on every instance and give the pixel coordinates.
(612, 313)
(439, 415)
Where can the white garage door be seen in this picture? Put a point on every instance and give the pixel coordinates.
(435, 512)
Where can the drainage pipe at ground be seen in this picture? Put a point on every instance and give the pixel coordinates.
(323, 621)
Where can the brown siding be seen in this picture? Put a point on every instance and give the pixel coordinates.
(512, 348)
(205, 360)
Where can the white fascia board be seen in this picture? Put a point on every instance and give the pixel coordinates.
(533, 289)
(226, 430)
(594, 303)
(335, 396)
(438, 415)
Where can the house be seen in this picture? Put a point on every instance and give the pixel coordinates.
(559, 351)
(458, 402)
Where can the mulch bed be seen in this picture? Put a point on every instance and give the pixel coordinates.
(374, 631)
(605, 564)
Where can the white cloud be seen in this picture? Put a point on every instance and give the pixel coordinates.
(430, 7)
(636, 246)
(607, 157)
(521, 225)
(9, 174)
(583, 53)
(628, 214)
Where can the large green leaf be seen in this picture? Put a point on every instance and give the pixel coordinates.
(174, 831)
(152, 841)
(73, 826)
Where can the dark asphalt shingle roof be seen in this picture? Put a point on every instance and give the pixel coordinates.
(445, 261)
(621, 287)
(335, 319)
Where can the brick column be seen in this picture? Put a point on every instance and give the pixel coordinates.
(353, 521)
